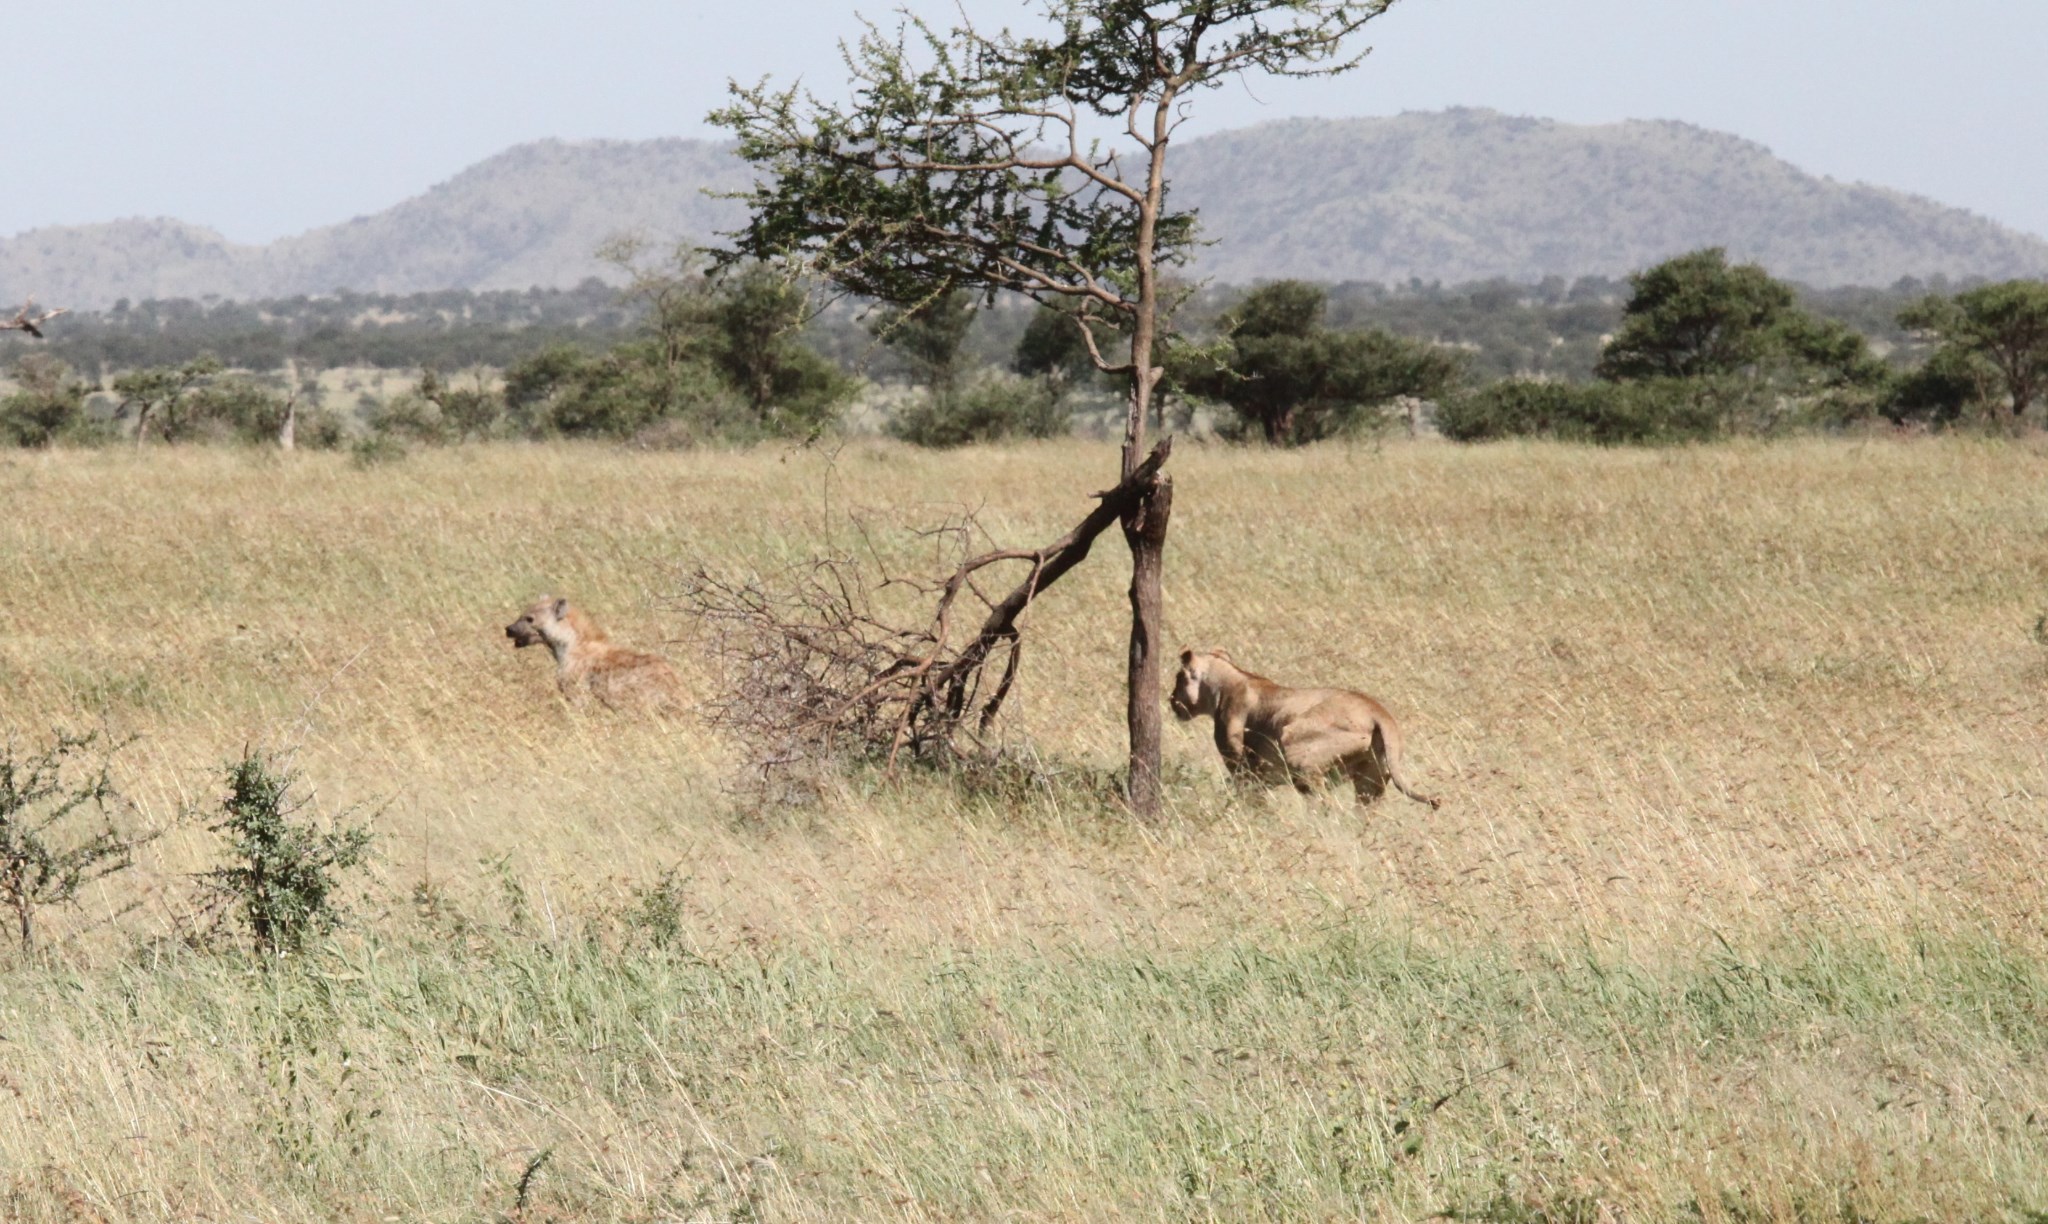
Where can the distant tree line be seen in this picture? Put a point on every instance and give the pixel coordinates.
(446, 330)
(1693, 348)
(1705, 348)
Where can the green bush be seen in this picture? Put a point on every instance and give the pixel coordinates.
(322, 429)
(375, 449)
(48, 405)
(233, 404)
(566, 392)
(996, 406)
(1665, 410)
(1949, 387)
(721, 360)
(282, 872)
(43, 859)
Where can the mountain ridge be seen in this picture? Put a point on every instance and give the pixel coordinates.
(1456, 195)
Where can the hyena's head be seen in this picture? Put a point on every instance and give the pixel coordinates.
(1194, 688)
(546, 622)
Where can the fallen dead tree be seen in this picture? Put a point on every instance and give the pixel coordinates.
(811, 668)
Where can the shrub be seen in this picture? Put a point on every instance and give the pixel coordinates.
(233, 404)
(618, 394)
(467, 412)
(408, 417)
(1664, 410)
(41, 861)
(1949, 387)
(283, 872)
(993, 407)
(375, 449)
(48, 404)
(322, 429)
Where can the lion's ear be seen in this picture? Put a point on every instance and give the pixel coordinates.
(1186, 657)
(1222, 654)
(561, 608)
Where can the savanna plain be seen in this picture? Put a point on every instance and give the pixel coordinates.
(1733, 910)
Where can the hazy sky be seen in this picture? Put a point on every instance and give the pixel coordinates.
(267, 118)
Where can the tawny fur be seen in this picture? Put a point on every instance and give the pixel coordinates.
(587, 663)
(1275, 734)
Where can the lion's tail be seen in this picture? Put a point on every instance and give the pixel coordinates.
(1394, 775)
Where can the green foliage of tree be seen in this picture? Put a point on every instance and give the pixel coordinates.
(46, 405)
(2003, 325)
(1551, 329)
(1292, 380)
(283, 871)
(1696, 316)
(438, 409)
(955, 409)
(43, 862)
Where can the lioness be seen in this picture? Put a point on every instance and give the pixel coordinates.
(586, 661)
(1276, 734)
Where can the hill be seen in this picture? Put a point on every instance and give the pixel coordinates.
(1471, 194)
(1446, 196)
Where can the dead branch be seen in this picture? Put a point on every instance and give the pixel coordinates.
(26, 320)
(811, 669)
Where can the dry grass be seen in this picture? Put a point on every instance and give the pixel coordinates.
(1733, 908)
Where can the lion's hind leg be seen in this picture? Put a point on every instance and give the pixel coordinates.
(1313, 754)
(1368, 774)
(1365, 757)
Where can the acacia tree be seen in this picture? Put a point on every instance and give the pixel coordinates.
(2004, 324)
(970, 161)
(1695, 316)
(1294, 380)
(162, 393)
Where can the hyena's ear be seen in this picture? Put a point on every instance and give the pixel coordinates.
(561, 608)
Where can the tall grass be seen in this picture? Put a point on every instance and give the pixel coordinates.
(1731, 914)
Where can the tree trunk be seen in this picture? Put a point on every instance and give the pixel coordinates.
(288, 433)
(1145, 532)
(1279, 424)
(1145, 527)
